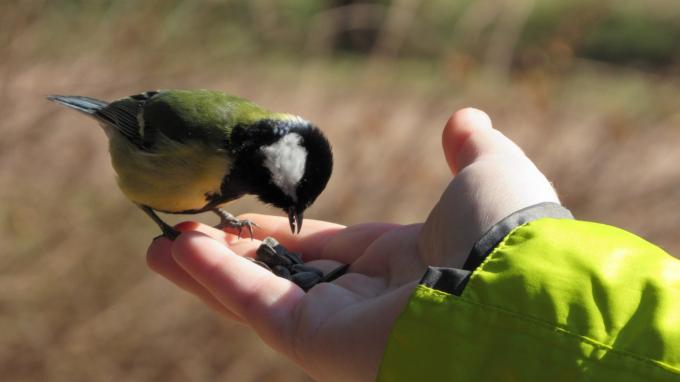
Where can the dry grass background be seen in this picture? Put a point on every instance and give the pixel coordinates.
(77, 302)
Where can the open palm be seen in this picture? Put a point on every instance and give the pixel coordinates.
(339, 330)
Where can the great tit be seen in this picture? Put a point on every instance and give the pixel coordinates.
(191, 151)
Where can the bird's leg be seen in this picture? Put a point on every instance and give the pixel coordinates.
(229, 220)
(168, 231)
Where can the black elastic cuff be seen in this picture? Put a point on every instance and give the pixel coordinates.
(500, 230)
(453, 280)
(449, 280)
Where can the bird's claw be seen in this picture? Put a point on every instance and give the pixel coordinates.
(248, 224)
(239, 225)
(169, 233)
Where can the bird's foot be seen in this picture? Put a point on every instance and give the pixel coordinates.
(171, 233)
(167, 229)
(168, 232)
(228, 220)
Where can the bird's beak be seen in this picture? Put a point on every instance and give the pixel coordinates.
(295, 220)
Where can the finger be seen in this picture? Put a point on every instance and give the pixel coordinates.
(322, 240)
(319, 259)
(211, 231)
(493, 178)
(244, 247)
(265, 301)
(469, 135)
(160, 260)
(350, 243)
(350, 246)
(500, 165)
(310, 241)
(381, 258)
(502, 178)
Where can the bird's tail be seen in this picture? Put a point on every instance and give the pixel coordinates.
(84, 105)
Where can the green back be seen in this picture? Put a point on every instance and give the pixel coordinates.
(203, 115)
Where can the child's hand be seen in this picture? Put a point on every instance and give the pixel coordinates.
(338, 331)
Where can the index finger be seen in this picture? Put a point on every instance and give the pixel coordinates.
(320, 239)
(311, 240)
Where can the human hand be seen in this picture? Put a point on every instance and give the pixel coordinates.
(338, 331)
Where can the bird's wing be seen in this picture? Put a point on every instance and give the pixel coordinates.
(126, 116)
(183, 116)
(203, 116)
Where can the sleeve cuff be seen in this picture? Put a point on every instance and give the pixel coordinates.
(453, 280)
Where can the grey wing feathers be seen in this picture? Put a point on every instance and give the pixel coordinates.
(127, 116)
(123, 114)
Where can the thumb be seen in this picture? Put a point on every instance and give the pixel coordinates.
(492, 179)
(468, 135)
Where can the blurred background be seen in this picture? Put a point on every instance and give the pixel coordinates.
(590, 90)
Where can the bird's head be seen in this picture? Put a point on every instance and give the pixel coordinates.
(285, 161)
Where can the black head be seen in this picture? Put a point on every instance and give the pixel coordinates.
(286, 163)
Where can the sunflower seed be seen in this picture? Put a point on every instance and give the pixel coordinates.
(305, 280)
(296, 268)
(335, 273)
(281, 271)
(289, 265)
(270, 256)
(292, 256)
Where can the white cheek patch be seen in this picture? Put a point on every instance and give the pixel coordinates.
(286, 160)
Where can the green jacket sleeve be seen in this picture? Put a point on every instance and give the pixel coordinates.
(544, 298)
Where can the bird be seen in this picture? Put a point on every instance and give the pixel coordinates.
(191, 151)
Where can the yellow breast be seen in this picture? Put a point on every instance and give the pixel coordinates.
(175, 177)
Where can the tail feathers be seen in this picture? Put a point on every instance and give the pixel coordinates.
(85, 105)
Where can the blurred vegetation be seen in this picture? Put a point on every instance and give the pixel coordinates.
(589, 89)
(624, 32)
